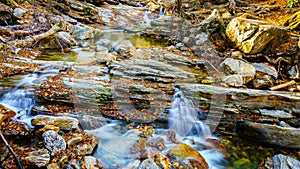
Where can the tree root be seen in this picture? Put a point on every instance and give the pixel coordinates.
(11, 151)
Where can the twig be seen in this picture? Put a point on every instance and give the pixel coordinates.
(290, 83)
(11, 151)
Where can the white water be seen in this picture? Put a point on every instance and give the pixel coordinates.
(115, 147)
(21, 98)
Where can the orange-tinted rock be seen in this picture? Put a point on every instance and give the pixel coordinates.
(183, 151)
(6, 113)
(39, 132)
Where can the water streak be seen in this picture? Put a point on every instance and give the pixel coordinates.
(21, 97)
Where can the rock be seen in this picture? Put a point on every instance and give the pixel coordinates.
(90, 122)
(6, 113)
(39, 158)
(181, 46)
(54, 142)
(103, 57)
(104, 42)
(85, 32)
(63, 122)
(276, 113)
(148, 164)
(251, 35)
(100, 48)
(39, 132)
(80, 142)
(65, 39)
(267, 69)
(237, 54)
(123, 47)
(90, 162)
(152, 6)
(132, 165)
(157, 142)
(19, 12)
(183, 151)
(263, 81)
(141, 54)
(233, 80)
(86, 58)
(281, 161)
(293, 21)
(271, 134)
(234, 66)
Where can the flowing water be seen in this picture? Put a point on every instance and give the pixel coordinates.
(115, 147)
(21, 97)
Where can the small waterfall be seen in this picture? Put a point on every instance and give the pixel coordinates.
(21, 98)
(183, 117)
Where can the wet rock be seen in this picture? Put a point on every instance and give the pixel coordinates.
(271, 134)
(54, 142)
(90, 162)
(85, 32)
(101, 49)
(234, 66)
(103, 57)
(233, 80)
(63, 122)
(6, 113)
(293, 22)
(132, 165)
(123, 47)
(276, 113)
(157, 142)
(263, 81)
(81, 142)
(183, 151)
(39, 158)
(103, 42)
(148, 164)
(267, 69)
(281, 161)
(88, 122)
(252, 35)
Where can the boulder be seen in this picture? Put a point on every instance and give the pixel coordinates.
(234, 66)
(63, 122)
(39, 158)
(280, 161)
(54, 142)
(252, 35)
(80, 142)
(271, 134)
(183, 151)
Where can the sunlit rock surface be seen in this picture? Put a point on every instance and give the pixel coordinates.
(63, 122)
(252, 35)
(54, 142)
